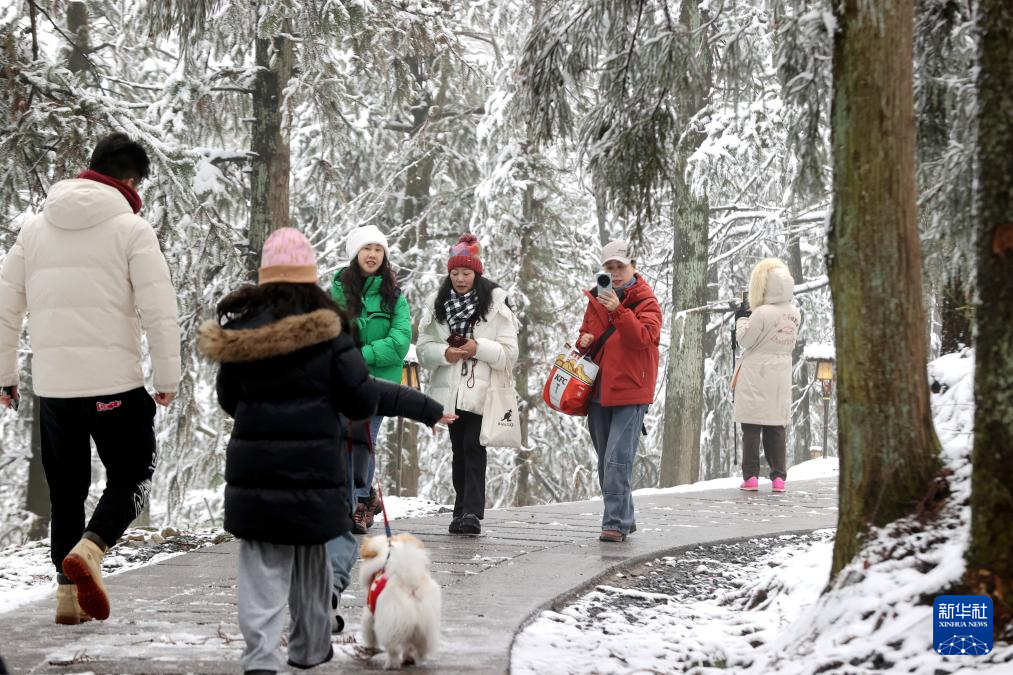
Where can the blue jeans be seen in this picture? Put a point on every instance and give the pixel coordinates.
(362, 494)
(343, 550)
(615, 434)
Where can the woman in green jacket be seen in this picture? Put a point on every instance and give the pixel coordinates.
(382, 327)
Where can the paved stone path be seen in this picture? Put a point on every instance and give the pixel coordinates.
(179, 616)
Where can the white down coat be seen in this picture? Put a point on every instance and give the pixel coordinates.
(763, 378)
(90, 274)
(497, 350)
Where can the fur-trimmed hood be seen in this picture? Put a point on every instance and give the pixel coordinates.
(287, 335)
(770, 283)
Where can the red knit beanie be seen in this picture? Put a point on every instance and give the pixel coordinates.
(465, 254)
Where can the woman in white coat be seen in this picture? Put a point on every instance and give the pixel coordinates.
(467, 332)
(762, 383)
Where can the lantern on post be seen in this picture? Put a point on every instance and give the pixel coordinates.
(409, 378)
(825, 376)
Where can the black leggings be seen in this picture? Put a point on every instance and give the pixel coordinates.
(773, 448)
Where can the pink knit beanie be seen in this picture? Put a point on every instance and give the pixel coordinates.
(287, 259)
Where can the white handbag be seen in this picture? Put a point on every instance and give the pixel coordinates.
(501, 426)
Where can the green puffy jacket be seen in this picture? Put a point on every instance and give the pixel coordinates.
(384, 337)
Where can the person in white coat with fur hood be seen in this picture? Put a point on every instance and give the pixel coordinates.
(466, 334)
(767, 331)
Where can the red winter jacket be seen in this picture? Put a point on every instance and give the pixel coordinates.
(629, 359)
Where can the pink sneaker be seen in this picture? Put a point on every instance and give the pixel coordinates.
(750, 484)
(777, 485)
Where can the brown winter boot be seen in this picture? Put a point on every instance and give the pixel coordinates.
(68, 612)
(83, 565)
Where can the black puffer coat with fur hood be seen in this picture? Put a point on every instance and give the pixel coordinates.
(285, 382)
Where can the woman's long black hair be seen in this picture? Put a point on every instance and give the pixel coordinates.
(281, 299)
(484, 287)
(352, 281)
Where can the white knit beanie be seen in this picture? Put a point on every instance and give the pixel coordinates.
(361, 237)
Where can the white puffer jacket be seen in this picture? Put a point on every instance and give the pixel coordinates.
(497, 350)
(763, 378)
(84, 269)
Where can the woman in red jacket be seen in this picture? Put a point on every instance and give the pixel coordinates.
(622, 328)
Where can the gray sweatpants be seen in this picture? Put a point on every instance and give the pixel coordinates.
(271, 575)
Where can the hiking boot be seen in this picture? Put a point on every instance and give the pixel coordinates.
(633, 528)
(83, 566)
(751, 484)
(455, 526)
(359, 519)
(613, 536)
(470, 524)
(373, 508)
(68, 612)
(777, 485)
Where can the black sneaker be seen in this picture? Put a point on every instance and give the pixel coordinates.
(259, 672)
(330, 655)
(470, 524)
(455, 526)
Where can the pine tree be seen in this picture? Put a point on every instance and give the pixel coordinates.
(990, 556)
(888, 448)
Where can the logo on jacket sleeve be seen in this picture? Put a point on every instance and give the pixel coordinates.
(106, 407)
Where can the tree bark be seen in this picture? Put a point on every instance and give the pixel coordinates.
(956, 315)
(990, 556)
(79, 29)
(801, 423)
(271, 162)
(680, 455)
(887, 445)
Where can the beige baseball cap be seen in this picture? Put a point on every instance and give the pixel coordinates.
(617, 249)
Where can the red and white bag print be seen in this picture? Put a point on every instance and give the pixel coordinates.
(571, 381)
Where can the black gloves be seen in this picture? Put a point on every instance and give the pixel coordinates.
(742, 312)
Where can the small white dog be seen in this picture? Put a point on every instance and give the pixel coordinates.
(402, 612)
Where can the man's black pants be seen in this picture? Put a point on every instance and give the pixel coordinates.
(122, 426)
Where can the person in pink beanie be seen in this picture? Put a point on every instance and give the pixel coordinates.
(288, 371)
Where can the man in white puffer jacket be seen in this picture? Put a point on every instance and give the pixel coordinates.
(89, 272)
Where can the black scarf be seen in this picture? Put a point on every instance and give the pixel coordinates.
(461, 312)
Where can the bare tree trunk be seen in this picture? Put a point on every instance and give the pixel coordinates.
(79, 29)
(956, 314)
(990, 556)
(271, 162)
(888, 448)
(680, 455)
(801, 424)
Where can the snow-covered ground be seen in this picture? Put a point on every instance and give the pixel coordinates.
(694, 611)
(26, 573)
(874, 618)
(827, 467)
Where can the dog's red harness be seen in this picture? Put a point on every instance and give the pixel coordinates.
(376, 587)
